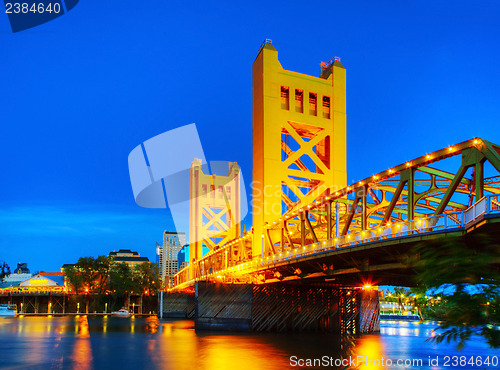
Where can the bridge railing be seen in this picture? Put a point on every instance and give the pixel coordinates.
(435, 223)
(477, 209)
(493, 205)
(423, 225)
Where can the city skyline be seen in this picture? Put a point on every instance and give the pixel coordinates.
(422, 77)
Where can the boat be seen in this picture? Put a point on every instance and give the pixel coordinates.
(8, 310)
(123, 312)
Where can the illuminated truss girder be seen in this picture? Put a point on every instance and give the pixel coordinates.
(385, 198)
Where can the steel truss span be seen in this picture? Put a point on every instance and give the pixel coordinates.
(413, 199)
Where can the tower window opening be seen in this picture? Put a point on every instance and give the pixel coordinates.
(313, 104)
(299, 101)
(204, 190)
(285, 97)
(212, 190)
(326, 107)
(228, 192)
(221, 194)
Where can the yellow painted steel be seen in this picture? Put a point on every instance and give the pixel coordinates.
(299, 139)
(214, 210)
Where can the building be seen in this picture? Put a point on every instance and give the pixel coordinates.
(44, 282)
(127, 256)
(22, 268)
(167, 254)
(183, 256)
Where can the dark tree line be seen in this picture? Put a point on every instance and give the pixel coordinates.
(103, 276)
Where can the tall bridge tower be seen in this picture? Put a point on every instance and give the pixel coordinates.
(299, 139)
(214, 210)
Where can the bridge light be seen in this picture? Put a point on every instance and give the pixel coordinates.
(337, 193)
(475, 141)
(450, 149)
(291, 232)
(379, 230)
(390, 171)
(348, 188)
(375, 177)
(408, 164)
(336, 240)
(361, 183)
(427, 156)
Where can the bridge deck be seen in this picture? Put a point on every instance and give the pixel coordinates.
(374, 255)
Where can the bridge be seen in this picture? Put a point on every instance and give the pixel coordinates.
(314, 236)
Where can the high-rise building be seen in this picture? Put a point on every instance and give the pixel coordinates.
(167, 255)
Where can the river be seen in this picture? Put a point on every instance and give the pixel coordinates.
(137, 343)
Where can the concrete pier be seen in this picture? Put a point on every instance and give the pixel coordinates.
(178, 305)
(286, 306)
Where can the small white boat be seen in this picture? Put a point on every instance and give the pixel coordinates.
(123, 312)
(8, 310)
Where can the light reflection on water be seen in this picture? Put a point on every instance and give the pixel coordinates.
(92, 343)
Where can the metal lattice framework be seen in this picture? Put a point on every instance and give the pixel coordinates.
(407, 193)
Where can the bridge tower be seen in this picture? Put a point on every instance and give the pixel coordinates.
(299, 139)
(214, 211)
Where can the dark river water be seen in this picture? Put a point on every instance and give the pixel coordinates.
(149, 343)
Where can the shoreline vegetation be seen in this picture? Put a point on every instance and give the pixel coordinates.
(101, 284)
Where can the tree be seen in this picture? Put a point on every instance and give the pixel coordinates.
(89, 274)
(466, 270)
(102, 264)
(148, 277)
(4, 270)
(74, 278)
(122, 279)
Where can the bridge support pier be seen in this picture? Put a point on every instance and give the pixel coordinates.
(285, 306)
(178, 305)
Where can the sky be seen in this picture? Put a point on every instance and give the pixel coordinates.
(78, 93)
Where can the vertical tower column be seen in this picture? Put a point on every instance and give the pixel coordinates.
(299, 139)
(214, 211)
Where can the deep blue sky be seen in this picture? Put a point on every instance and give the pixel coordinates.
(79, 93)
